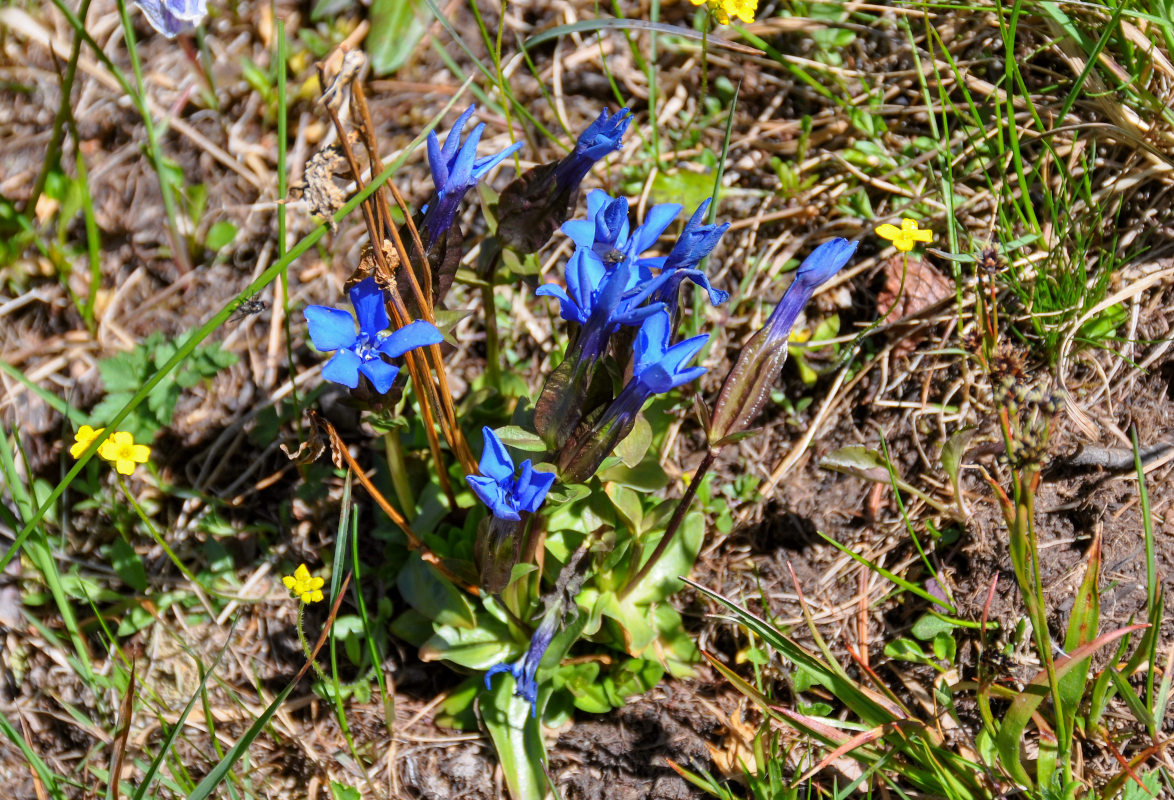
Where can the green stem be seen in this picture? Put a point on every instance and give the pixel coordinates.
(159, 540)
(398, 469)
(309, 652)
(674, 524)
(178, 244)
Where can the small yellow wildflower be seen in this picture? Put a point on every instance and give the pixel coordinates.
(303, 585)
(120, 450)
(724, 9)
(83, 439)
(905, 237)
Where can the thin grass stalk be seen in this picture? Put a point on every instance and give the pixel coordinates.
(423, 295)
(179, 245)
(282, 194)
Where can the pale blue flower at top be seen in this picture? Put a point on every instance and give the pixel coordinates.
(525, 669)
(455, 169)
(362, 353)
(173, 17)
(507, 496)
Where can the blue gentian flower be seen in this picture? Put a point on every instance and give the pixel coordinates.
(455, 169)
(605, 231)
(748, 385)
(525, 669)
(497, 487)
(657, 368)
(532, 206)
(603, 136)
(824, 262)
(362, 352)
(173, 17)
(696, 241)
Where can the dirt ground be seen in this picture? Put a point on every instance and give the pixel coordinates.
(893, 395)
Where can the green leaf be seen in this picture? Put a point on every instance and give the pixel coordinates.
(128, 565)
(928, 626)
(521, 439)
(473, 648)
(433, 596)
(340, 791)
(634, 446)
(665, 577)
(516, 738)
(952, 452)
(395, 30)
(220, 235)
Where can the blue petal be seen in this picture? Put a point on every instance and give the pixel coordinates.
(343, 369)
(496, 668)
(581, 231)
(462, 168)
(493, 496)
(330, 328)
(495, 459)
(367, 298)
(487, 163)
(453, 142)
(825, 261)
(658, 218)
(380, 373)
(175, 17)
(568, 308)
(436, 163)
(652, 340)
(531, 495)
(420, 333)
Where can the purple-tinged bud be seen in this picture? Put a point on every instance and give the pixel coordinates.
(748, 385)
(533, 206)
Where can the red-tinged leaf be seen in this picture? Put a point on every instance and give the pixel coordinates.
(1011, 730)
(1082, 629)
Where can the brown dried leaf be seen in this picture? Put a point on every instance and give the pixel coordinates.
(908, 292)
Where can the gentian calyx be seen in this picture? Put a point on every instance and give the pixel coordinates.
(754, 374)
(507, 496)
(361, 353)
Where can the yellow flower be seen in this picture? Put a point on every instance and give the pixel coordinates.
(304, 585)
(906, 236)
(83, 439)
(724, 9)
(120, 449)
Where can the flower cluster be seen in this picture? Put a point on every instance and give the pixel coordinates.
(119, 448)
(611, 283)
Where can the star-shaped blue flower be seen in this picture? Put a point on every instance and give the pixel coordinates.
(455, 169)
(362, 353)
(173, 17)
(505, 495)
(659, 367)
(525, 669)
(605, 231)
